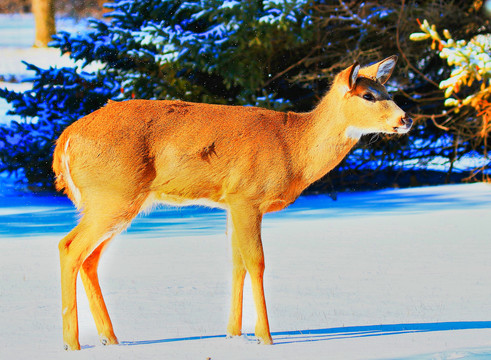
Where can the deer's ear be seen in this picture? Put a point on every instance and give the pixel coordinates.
(347, 77)
(381, 70)
(385, 68)
(353, 75)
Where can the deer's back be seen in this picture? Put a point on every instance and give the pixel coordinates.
(182, 150)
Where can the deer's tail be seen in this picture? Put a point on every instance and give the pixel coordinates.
(61, 167)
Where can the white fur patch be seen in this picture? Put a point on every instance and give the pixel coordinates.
(355, 133)
(119, 228)
(178, 201)
(66, 173)
(403, 130)
(173, 200)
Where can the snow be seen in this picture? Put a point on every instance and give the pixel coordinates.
(390, 274)
(16, 39)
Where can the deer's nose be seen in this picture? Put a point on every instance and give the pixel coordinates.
(405, 123)
(406, 120)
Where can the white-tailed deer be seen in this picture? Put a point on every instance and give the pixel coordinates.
(118, 160)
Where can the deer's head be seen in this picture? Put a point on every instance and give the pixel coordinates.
(366, 104)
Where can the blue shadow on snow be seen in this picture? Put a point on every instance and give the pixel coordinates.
(297, 336)
(28, 214)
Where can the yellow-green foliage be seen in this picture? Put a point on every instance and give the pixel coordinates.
(471, 63)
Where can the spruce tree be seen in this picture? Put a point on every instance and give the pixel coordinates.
(208, 51)
(275, 54)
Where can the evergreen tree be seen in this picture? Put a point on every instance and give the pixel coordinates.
(276, 54)
(210, 51)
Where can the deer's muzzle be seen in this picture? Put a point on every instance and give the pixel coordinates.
(406, 123)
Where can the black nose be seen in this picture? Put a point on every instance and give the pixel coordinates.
(407, 121)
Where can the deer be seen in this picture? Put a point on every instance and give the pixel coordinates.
(128, 155)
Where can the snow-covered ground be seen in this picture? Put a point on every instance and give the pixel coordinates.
(392, 274)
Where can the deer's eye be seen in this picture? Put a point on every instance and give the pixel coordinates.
(368, 97)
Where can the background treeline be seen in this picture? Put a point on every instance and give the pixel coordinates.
(73, 8)
(280, 55)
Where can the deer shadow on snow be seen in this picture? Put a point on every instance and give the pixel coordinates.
(339, 333)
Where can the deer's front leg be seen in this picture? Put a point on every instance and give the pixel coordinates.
(234, 327)
(247, 247)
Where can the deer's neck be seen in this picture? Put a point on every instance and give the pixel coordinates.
(323, 141)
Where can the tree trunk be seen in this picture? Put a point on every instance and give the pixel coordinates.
(44, 16)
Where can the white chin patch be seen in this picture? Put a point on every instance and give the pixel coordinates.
(355, 133)
(403, 130)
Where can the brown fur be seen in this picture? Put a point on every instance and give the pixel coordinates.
(116, 161)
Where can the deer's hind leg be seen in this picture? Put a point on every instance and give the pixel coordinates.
(90, 279)
(81, 250)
